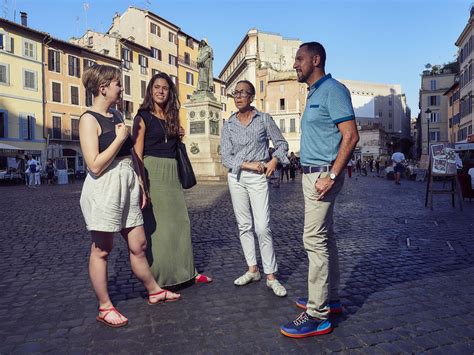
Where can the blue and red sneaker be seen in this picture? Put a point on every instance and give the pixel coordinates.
(335, 307)
(306, 326)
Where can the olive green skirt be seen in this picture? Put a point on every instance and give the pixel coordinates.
(167, 226)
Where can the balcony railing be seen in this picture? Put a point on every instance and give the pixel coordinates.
(186, 61)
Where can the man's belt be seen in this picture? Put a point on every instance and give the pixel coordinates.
(316, 169)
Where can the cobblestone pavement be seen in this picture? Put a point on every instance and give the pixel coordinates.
(407, 277)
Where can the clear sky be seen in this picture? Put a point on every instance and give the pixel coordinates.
(385, 41)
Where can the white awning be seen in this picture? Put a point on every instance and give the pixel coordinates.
(7, 146)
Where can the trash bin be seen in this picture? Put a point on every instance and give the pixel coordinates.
(62, 177)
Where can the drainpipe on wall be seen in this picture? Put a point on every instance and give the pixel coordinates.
(44, 44)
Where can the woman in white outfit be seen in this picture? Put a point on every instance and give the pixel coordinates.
(244, 146)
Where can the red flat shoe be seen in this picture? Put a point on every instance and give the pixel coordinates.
(163, 300)
(107, 323)
(202, 279)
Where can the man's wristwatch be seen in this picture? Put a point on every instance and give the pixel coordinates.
(332, 176)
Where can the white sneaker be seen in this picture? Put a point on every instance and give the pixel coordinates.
(277, 287)
(247, 278)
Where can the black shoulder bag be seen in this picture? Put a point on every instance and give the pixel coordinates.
(185, 169)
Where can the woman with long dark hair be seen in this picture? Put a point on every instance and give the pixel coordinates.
(156, 132)
(110, 198)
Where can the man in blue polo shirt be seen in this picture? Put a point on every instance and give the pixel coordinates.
(328, 138)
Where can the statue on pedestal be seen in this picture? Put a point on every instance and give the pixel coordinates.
(204, 64)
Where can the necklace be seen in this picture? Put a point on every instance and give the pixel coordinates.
(164, 130)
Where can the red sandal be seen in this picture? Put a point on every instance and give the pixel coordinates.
(202, 279)
(164, 300)
(107, 311)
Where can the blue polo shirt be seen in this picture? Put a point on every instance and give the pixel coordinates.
(328, 104)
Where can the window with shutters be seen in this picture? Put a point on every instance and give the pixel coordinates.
(56, 91)
(434, 100)
(189, 78)
(54, 60)
(30, 80)
(75, 128)
(155, 29)
(172, 37)
(128, 109)
(143, 88)
(29, 49)
(127, 58)
(282, 104)
(74, 95)
(31, 125)
(155, 53)
(3, 124)
(89, 98)
(187, 58)
(292, 125)
(126, 54)
(172, 60)
(282, 125)
(127, 88)
(27, 126)
(143, 62)
(88, 63)
(435, 136)
(74, 66)
(56, 127)
(12, 45)
(4, 74)
(434, 117)
(189, 42)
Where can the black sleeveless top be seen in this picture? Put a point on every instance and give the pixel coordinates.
(107, 136)
(155, 143)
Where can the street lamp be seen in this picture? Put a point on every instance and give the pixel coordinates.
(428, 118)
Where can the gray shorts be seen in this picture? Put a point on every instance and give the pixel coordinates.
(111, 201)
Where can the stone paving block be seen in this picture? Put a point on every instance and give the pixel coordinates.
(394, 296)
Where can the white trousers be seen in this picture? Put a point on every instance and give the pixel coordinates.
(250, 199)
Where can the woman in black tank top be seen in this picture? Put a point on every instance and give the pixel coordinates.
(110, 199)
(167, 226)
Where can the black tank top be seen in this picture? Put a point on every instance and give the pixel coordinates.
(107, 136)
(157, 144)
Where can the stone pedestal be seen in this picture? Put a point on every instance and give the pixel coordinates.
(204, 116)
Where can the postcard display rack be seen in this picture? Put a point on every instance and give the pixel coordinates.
(443, 165)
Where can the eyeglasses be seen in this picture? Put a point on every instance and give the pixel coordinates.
(241, 93)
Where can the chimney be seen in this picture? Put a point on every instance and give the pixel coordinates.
(24, 18)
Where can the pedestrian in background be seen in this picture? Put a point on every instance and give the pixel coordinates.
(284, 172)
(328, 138)
(245, 153)
(110, 199)
(30, 173)
(293, 165)
(156, 132)
(350, 164)
(398, 159)
(49, 169)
